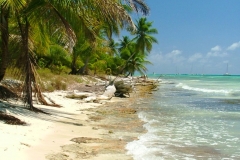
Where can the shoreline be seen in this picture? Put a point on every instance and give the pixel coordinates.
(76, 131)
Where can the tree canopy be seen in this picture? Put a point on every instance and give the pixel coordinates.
(73, 36)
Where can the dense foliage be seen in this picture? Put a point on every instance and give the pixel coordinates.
(75, 37)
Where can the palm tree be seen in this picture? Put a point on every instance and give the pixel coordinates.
(137, 63)
(7, 7)
(144, 38)
(113, 47)
(138, 47)
(5, 39)
(137, 5)
(133, 61)
(21, 11)
(127, 51)
(65, 13)
(135, 50)
(68, 14)
(125, 43)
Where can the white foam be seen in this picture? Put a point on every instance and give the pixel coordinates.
(142, 116)
(180, 85)
(166, 82)
(140, 151)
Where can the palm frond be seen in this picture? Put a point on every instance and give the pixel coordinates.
(14, 5)
(138, 6)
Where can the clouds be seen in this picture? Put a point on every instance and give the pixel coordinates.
(211, 61)
(173, 54)
(177, 55)
(217, 52)
(216, 49)
(234, 46)
(195, 57)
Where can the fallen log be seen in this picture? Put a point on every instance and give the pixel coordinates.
(122, 89)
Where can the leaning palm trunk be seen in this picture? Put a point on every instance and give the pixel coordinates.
(127, 62)
(5, 40)
(83, 69)
(28, 68)
(122, 69)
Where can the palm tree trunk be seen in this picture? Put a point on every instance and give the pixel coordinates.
(83, 70)
(28, 69)
(26, 62)
(73, 65)
(127, 62)
(5, 40)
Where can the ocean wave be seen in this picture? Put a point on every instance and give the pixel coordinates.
(230, 92)
(147, 147)
(166, 82)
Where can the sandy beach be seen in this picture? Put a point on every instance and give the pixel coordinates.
(77, 130)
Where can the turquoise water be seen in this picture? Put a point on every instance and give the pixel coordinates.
(190, 117)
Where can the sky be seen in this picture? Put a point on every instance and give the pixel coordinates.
(195, 36)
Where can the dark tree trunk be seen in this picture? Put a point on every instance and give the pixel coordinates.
(83, 70)
(27, 64)
(121, 71)
(29, 72)
(5, 41)
(73, 65)
(129, 73)
(73, 70)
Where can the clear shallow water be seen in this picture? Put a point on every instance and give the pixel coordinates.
(191, 117)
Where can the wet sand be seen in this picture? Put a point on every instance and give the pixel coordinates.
(115, 124)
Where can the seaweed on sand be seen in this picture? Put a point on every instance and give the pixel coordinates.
(6, 93)
(8, 119)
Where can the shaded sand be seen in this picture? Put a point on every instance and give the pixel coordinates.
(75, 131)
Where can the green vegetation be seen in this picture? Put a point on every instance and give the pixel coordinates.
(71, 37)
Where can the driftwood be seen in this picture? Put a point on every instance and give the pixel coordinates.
(122, 89)
(107, 95)
(79, 95)
(90, 97)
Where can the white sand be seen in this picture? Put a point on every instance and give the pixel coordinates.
(45, 134)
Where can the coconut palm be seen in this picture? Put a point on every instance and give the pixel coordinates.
(137, 5)
(138, 47)
(137, 63)
(26, 26)
(144, 38)
(67, 14)
(4, 38)
(7, 7)
(127, 51)
(113, 47)
(133, 61)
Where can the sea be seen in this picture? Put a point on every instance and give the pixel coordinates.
(190, 117)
